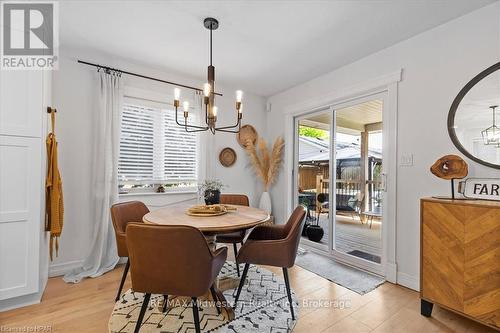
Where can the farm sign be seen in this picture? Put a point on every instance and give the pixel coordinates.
(480, 188)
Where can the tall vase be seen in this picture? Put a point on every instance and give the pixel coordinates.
(265, 202)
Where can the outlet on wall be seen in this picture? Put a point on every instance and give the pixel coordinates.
(406, 160)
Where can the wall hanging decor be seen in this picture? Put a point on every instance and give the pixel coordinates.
(450, 167)
(266, 165)
(227, 157)
(247, 134)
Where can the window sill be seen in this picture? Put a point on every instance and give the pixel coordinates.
(141, 194)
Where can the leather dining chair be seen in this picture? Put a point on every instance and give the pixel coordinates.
(172, 260)
(237, 236)
(273, 245)
(121, 215)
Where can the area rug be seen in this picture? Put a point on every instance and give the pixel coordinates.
(262, 307)
(348, 277)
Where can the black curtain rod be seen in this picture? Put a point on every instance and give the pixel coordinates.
(143, 76)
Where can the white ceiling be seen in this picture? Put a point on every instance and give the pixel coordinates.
(261, 46)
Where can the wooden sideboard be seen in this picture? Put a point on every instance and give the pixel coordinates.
(460, 258)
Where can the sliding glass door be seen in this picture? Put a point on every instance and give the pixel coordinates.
(340, 180)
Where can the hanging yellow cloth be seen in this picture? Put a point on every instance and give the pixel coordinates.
(54, 209)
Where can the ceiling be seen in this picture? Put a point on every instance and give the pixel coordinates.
(262, 47)
(350, 120)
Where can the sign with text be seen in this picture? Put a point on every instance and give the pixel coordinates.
(481, 188)
(29, 35)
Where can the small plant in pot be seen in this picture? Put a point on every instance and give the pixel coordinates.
(210, 189)
(315, 232)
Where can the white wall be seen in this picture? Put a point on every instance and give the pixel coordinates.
(436, 64)
(73, 96)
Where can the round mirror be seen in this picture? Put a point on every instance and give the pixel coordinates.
(474, 118)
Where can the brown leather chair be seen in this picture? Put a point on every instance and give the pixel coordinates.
(122, 214)
(172, 260)
(237, 236)
(273, 245)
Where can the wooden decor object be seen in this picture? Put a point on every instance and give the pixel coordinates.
(459, 258)
(247, 133)
(227, 157)
(450, 167)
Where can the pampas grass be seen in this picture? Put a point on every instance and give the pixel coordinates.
(266, 164)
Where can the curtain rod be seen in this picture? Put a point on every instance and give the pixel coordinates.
(143, 76)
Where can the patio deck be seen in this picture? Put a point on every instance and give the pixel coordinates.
(352, 235)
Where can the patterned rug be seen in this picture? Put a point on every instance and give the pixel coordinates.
(262, 307)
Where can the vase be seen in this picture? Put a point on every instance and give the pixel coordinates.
(265, 202)
(212, 197)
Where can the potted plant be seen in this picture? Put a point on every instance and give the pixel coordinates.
(315, 232)
(210, 189)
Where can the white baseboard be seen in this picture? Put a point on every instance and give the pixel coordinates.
(409, 281)
(391, 270)
(63, 268)
(19, 302)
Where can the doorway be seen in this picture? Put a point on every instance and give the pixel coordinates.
(340, 180)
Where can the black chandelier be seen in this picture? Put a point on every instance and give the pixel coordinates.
(209, 98)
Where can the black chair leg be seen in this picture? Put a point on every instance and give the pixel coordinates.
(196, 315)
(235, 248)
(215, 298)
(288, 292)
(144, 306)
(124, 277)
(242, 282)
(165, 303)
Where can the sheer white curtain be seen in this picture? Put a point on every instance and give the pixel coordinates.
(102, 255)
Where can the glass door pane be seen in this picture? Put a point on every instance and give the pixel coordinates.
(358, 166)
(313, 139)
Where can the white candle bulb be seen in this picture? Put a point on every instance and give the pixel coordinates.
(239, 95)
(206, 90)
(185, 106)
(214, 111)
(177, 94)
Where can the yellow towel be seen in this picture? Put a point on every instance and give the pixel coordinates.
(54, 209)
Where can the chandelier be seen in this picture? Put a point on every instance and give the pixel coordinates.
(208, 98)
(491, 135)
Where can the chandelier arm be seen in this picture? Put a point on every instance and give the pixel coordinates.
(238, 122)
(186, 124)
(226, 127)
(226, 131)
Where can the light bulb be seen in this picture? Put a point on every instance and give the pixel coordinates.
(206, 90)
(177, 94)
(239, 95)
(214, 111)
(185, 106)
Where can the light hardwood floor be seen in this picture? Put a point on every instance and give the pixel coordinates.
(85, 307)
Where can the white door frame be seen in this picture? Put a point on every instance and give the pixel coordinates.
(387, 84)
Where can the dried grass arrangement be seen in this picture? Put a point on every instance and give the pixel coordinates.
(265, 163)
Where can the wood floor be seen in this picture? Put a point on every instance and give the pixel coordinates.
(86, 307)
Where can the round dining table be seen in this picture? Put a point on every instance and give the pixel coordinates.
(241, 218)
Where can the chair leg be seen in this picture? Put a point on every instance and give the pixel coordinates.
(124, 277)
(196, 315)
(165, 303)
(235, 248)
(215, 299)
(288, 292)
(143, 311)
(242, 282)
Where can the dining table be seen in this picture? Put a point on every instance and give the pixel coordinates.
(237, 218)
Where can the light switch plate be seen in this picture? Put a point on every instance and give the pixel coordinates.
(406, 160)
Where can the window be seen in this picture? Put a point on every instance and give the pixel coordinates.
(154, 150)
